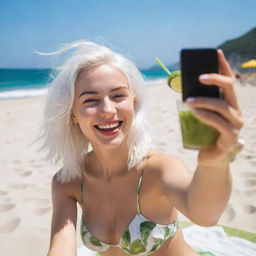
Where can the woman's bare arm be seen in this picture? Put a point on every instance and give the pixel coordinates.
(64, 215)
(201, 197)
(206, 195)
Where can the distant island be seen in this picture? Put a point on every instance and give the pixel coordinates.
(236, 50)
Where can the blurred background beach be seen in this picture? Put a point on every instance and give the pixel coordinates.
(140, 30)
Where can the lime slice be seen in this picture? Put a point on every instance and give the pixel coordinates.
(174, 81)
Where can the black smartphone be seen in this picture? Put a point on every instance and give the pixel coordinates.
(195, 62)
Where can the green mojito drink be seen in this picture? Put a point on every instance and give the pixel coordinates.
(195, 133)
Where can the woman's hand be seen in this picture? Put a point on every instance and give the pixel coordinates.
(222, 114)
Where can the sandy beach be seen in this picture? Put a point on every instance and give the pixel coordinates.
(25, 197)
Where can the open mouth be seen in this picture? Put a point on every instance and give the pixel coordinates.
(109, 127)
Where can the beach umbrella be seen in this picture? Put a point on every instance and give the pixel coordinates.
(249, 64)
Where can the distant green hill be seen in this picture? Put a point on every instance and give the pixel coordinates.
(240, 49)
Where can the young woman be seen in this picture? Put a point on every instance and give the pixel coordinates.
(129, 195)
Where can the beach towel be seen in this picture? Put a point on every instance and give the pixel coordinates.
(215, 240)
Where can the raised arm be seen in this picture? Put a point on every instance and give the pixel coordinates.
(204, 197)
(224, 115)
(64, 215)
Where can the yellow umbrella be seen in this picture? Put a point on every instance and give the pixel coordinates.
(249, 64)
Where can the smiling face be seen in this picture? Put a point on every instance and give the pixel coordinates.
(103, 106)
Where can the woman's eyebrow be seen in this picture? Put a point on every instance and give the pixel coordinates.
(119, 88)
(95, 92)
(87, 92)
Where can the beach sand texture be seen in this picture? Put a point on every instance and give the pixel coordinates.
(25, 200)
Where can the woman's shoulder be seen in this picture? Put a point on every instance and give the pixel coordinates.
(167, 171)
(163, 167)
(160, 162)
(67, 187)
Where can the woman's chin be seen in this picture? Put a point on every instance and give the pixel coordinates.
(111, 143)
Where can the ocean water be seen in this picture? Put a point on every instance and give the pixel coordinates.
(20, 83)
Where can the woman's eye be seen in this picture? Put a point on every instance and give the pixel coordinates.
(119, 95)
(90, 100)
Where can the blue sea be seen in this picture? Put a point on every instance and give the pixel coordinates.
(20, 83)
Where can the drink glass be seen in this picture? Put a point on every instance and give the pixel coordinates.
(195, 133)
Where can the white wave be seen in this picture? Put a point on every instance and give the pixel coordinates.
(156, 81)
(29, 93)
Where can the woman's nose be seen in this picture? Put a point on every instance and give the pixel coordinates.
(108, 107)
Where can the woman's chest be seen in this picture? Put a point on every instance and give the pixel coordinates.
(109, 219)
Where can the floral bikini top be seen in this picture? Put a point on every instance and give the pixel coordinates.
(142, 237)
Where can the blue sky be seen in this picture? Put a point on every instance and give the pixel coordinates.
(141, 29)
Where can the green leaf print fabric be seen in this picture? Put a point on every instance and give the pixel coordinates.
(143, 237)
(206, 253)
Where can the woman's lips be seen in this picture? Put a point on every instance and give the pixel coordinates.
(110, 128)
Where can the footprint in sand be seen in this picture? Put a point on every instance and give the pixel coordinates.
(6, 207)
(248, 156)
(3, 193)
(250, 183)
(42, 211)
(17, 162)
(10, 226)
(26, 174)
(249, 209)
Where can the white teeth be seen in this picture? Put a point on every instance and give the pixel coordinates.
(108, 126)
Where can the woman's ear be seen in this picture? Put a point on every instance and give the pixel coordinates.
(73, 118)
(135, 103)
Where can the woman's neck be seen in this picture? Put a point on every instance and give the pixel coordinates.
(110, 163)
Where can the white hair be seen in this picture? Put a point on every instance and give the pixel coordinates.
(64, 140)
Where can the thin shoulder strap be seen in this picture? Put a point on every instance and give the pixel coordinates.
(138, 191)
(81, 191)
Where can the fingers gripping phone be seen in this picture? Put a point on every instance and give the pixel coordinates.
(195, 62)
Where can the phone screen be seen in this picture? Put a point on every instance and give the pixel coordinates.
(195, 62)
